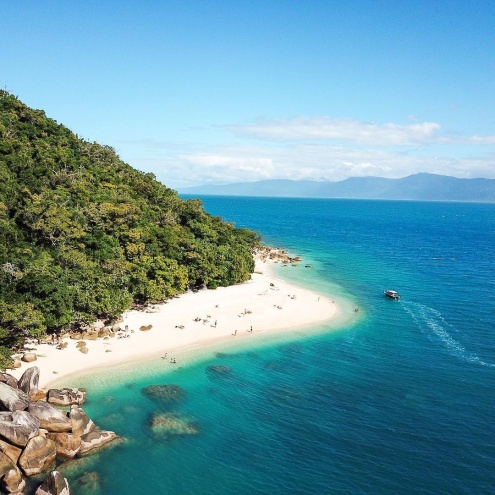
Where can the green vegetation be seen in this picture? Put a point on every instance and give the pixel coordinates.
(84, 235)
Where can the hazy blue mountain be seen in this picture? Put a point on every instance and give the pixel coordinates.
(426, 187)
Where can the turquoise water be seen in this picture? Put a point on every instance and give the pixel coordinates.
(400, 402)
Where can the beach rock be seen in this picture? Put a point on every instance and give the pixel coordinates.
(8, 379)
(66, 396)
(38, 396)
(29, 380)
(80, 344)
(16, 363)
(166, 394)
(29, 357)
(97, 325)
(83, 350)
(145, 328)
(81, 423)
(62, 345)
(103, 333)
(54, 484)
(12, 399)
(38, 455)
(169, 424)
(67, 444)
(76, 336)
(116, 327)
(18, 427)
(50, 419)
(95, 439)
(11, 480)
(10, 451)
(93, 336)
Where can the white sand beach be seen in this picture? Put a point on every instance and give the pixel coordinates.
(263, 304)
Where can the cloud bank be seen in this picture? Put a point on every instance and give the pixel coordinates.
(320, 148)
(326, 128)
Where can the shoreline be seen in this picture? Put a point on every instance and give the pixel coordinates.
(263, 306)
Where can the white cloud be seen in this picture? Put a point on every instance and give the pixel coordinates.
(318, 148)
(307, 161)
(481, 140)
(348, 130)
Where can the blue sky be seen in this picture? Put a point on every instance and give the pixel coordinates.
(225, 91)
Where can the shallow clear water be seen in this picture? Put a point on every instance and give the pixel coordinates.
(402, 401)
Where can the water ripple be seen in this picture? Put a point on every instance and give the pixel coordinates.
(431, 322)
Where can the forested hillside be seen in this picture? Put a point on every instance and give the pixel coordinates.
(84, 235)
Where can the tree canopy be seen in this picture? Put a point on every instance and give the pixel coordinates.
(83, 235)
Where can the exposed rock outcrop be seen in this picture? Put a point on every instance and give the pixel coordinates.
(54, 484)
(66, 396)
(67, 444)
(10, 451)
(12, 399)
(18, 427)
(95, 439)
(29, 381)
(8, 379)
(38, 456)
(51, 419)
(11, 480)
(32, 439)
(81, 423)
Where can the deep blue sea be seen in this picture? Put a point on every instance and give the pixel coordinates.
(401, 401)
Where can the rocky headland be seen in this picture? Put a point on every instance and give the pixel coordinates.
(40, 431)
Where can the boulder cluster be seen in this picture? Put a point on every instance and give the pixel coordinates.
(275, 255)
(34, 434)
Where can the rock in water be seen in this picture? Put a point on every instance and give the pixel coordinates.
(95, 439)
(165, 394)
(66, 396)
(90, 480)
(54, 484)
(12, 399)
(29, 380)
(81, 423)
(166, 425)
(219, 368)
(11, 480)
(18, 427)
(51, 419)
(67, 444)
(38, 456)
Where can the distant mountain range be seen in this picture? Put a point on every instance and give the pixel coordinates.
(421, 187)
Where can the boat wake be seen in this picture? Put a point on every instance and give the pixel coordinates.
(433, 324)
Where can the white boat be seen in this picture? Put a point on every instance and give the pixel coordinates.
(393, 294)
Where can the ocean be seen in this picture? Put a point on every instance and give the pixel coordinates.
(401, 401)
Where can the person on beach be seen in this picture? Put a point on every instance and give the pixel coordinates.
(235, 333)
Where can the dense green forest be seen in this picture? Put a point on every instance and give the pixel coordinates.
(83, 235)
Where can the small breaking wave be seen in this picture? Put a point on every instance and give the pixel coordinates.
(432, 323)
